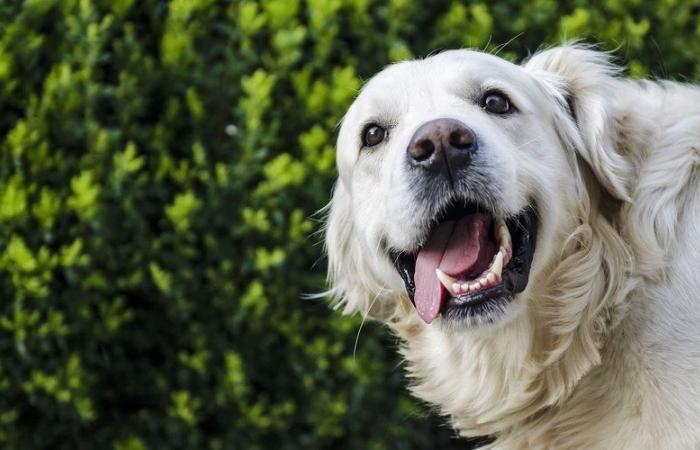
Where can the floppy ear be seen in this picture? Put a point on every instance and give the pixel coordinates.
(584, 80)
(352, 282)
(586, 290)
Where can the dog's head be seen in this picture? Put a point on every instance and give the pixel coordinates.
(469, 194)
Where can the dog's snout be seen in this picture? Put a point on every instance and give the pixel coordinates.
(442, 142)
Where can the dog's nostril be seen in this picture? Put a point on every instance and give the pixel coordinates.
(422, 149)
(462, 139)
(442, 144)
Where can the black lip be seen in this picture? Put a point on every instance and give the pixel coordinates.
(405, 264)
(493, 299)
(523, 231)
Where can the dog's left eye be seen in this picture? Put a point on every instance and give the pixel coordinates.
(496, 103)
(373, 135)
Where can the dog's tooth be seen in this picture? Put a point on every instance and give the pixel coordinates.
(455, 288)
(446, 280)
(506, 252)
(493, 260)
(464, 288)
(504, 235)
(491, 277)
(503, 232)
(483, 282)
(500, 222)
(475, 286)
(497, 265)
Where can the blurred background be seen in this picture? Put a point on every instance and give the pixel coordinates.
(160, 167)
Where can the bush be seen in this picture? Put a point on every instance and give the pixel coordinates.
(160, 166)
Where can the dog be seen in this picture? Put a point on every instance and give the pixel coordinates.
(530, 233)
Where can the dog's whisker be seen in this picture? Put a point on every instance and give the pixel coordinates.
(504, 45)
(362, 323)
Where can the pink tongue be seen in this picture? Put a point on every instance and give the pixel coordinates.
(455, 248)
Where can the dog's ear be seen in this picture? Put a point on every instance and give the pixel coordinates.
(353, 285)
(582, 81)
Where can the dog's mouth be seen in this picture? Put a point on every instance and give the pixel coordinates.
(469, 259)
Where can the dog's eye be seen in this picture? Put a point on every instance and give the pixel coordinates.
(373, 135)
(496, 103)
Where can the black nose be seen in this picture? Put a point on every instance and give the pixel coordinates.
(441, 143)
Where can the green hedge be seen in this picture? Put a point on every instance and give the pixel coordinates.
(160, 166)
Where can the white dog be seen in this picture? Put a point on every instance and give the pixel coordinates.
(532, 234)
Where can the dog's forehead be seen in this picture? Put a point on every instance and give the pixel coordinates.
(450, 69)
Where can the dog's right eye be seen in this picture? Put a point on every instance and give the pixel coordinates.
(372, 135)
(496, 103)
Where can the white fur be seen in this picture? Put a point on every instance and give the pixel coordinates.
(602, 350)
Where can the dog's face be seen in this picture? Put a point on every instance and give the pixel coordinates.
(454, 170)
(460, 180)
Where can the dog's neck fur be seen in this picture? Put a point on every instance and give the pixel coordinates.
(557, 393)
